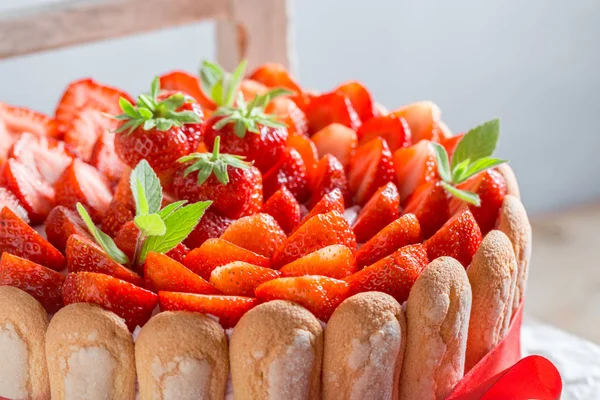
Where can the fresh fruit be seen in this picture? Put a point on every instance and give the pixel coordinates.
(250, 88)
(61, 224)
(163, 273)
(320, 231)
(117, 215)
(394, 274)
(211, 226)
(284, 207)
(217, 252)
(337, 140)
(241, 279)
(17, 120)
(380, 210)
(332, 201)
(392, 128)
(274, 75)
(370, 168)
(307, 150)
(318, 294)
(329, 175)
(44, 284)
(180, 81)
(234, 186)
(226, 309)
(359, 97)
(128, 301)
(82, 183)
(429, 203)
(8, 199)
(290, 114)
(289, 172)
(104, 158)
(414, 166)
(18, 238)
(258, 233)
(123, 190)
(85, 255)
(402, 232)
(460, 238)
(85, 128)
(450, 143)
(422, 118)
(329, 108)
(334, 261)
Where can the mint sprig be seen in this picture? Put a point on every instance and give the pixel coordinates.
(105, 241)
(471, 156)
(219, 85)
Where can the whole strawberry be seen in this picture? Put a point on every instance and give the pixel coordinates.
(159, 130)
(234, 186)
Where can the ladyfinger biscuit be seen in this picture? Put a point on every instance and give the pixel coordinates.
(276, 352)
(90, 355)
(512, 187)
(492, 275)
(437, 318)
(23, 324)
(364, 345)
(182, 355)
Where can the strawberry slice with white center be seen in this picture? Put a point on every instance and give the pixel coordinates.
(17, 120)
(422, 118)
(86, 126)
(414, 166)
(8, 199)
(337, 140)
(370, 168)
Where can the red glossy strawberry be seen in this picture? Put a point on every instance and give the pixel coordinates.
(217, 252)
(422, 118)
(8, 199)
(284, 207)
(307, 150)
(259, 233)
(33, 192)
(380, 210)
(414, 166)
(334, 261)
(227, 309)
(333, 201)
(429, 203)
(288, 112)
(359, 97)
(394, 274)
(84, 254)
(105, 159)
(128, 301)
(180, 81)
(402, 232)
(320, 231)
(329, 108)
(84, 184)
(18, 238)
(163, 273)
(460, 238)
(450, 143)
(370, 168)
(289, 172)
(329, 175)
(62, 223)
(211, 226)
(393, 129)
(241, 279)
(17, 120)
(318, 294)
(117, 215)
(44, 284)
(337, 140)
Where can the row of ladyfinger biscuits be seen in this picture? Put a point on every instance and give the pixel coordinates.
(369, 349)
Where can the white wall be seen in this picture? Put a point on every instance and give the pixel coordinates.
(535, 64)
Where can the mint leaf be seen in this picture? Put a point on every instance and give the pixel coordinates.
(442, 162)
(179, 224)
(165, 212)
(150, 225)
(469, 197)
(102, 238)
(478, 143)
(478, 166)
(150, 192)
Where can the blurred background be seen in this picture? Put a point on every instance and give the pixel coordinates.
(534, 64)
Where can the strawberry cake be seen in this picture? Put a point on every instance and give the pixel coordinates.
(234, 235)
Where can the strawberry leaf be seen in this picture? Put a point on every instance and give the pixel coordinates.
(150, 225)
(469, 197)
(478, 143)
(146, 189)
(102, 238)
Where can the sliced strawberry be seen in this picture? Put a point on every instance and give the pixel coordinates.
(128, 301)
(370, 168)
(105, 159)
(332, 201)
(163, 273)
(320, 231)
(289, 172)
(123, 190)
(422, 118)
(17, 120)
(318, 294)
(380, 210)
(328, 108)
(284, 207)
(394, 274)
(117, 215)
(393, 129)
(85, 128)
(329, 175)
(85, 255)
(359, 97)
(217, 252)
(227, 309)
(48, 155)
(251, 88)
(290, 114)
(307, 150)
(178, 253)
(460, 238)
(259, 233)
(211, 226)
(334, 261)
(450, 143)
(181, 81)
(84, 184)
(62, 223)
(44, 284)
(241, 279)
(402, 232)
(33, 192)
(8, 199)
(274, 75)
(337, 140)
(18, 238)
(414, 166)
